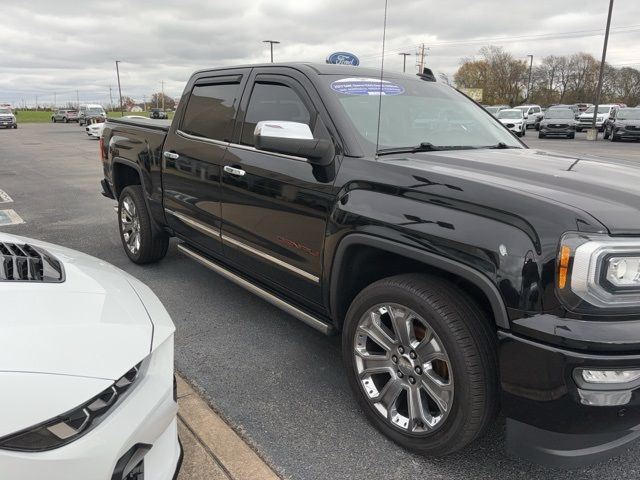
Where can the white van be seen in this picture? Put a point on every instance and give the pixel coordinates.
(89, 112)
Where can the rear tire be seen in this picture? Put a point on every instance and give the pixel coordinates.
(540, 135)
(578, 129)
(572, 136)
(141, 244)
(606, 134)
(442, 324)
(614, 138)
(66, 120)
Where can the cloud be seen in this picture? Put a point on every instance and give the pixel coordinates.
(61, 47)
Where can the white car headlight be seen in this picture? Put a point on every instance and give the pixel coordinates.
(71, 425)
(600, 270)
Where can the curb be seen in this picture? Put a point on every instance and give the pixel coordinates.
(229, 451)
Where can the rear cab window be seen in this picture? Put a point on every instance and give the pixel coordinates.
(212, 108)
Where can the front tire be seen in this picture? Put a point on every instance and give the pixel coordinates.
(605, 136)
(141, 244)
(540, 135)
(614, 138)
(420, 357)
(66, 120)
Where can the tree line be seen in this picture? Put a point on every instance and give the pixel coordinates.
(555, 79)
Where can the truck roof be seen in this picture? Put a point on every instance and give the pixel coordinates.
(317, 68)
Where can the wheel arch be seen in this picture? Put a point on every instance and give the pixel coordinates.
(125, 173)
(342, 288)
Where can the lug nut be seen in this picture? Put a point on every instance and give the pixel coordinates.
(401, 349)
(394, 359)
(400, 374)
(419, 370)
(412, 354)
(412, 380)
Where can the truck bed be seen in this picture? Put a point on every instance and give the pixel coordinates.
(152, 124)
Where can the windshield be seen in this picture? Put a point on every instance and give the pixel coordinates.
(559, 113)
(5, 110)
(492, 110)
(629, 114)
(415, 111)
(510, 114)
(94, 111)
(601, 109)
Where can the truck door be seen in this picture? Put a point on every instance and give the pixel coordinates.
(193, 155)
(275, 208)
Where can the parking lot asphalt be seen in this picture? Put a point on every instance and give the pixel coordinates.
(279, 383)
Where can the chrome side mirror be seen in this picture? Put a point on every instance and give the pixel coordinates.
(293, 138)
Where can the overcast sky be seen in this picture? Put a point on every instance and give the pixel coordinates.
(62, 46)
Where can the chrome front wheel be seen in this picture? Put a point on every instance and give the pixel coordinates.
(403, 368)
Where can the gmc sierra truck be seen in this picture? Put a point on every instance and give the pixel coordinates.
(465, 272)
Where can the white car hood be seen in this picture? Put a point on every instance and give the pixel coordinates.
(511, 120)
(93, 324)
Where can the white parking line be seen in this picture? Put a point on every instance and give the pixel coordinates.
(4, 197)
(9, 217)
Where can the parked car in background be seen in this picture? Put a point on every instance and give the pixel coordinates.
(94, 130)
(514, 119)
(91, 113)
(623, 123)
(585, 120)
(86, 368)
(494, 109)
(65, 115)
(582, 106)
(7, 118)
(558, 122)
(533, 114)
(573, 108)
(158, 114)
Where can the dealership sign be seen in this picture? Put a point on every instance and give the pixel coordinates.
(343, 58)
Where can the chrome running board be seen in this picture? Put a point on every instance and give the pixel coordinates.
(310, 320)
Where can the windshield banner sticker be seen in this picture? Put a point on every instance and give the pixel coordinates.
(366, 86)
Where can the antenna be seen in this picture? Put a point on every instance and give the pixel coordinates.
(384, 36)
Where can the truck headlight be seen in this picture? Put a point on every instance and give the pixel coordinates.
(599, 271)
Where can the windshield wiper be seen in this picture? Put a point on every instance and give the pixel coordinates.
(499, 146)
(423, 147)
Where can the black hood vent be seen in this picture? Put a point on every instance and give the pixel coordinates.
(26, 263)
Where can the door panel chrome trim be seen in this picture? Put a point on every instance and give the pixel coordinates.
(310, 320)
(254, 149)
(195, 224)
(296, 270)
(202, 139)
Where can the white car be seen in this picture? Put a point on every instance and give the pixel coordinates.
(532, 113)
(514, 119)
(585, 120)
(86, 369)
(94, 130)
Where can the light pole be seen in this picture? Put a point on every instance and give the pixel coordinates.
(271, 42)
(404, 61)
(604, 57)
(119, 89)
(529, 82)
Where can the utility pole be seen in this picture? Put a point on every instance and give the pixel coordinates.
(36, 102)
(77, 100)
(144, 103)
(54, 100)
(110, 98)
(119, 88)
(604, 57)
(404, 61)
(271, 42)
(421, 54)
(162, 82)
(529, 82)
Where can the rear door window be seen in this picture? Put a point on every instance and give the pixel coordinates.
(211, 111)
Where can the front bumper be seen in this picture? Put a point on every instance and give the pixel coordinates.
(553, 421)
(625, 133)
(147, 416)
(548, 130)
(516, 127)
(8, 123)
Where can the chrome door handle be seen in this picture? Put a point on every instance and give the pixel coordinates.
(238, 172)
(171, 155)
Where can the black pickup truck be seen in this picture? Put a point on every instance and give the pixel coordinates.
(465, 272)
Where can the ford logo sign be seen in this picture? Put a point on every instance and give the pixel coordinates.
(343, 58)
